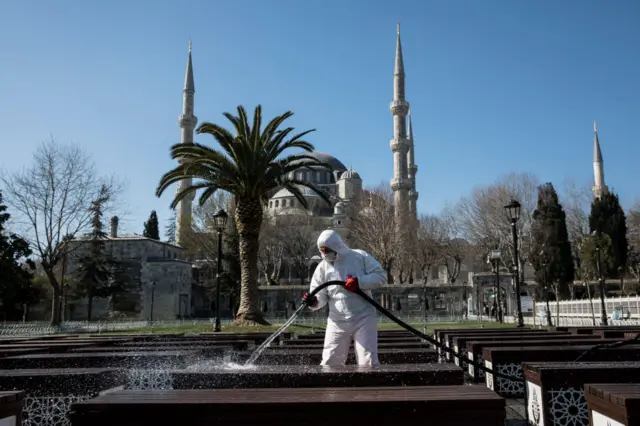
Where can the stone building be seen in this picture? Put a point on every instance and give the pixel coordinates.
(157, 273)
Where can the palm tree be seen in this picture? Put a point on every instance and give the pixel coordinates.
(252, 163)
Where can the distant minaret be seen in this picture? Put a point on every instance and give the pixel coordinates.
(400, 183)
(187, 122)
(412, 171)
(599, 187)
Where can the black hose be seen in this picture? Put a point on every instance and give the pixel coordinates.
(409, 328)
(451, 351)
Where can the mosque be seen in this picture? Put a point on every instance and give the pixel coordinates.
(167, 281)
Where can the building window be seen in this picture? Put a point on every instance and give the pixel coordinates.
(284, 203)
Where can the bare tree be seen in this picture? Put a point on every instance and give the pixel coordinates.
(270, 256)
(483, 222)
(52, 198)
(576, 202)
(297, 236)
(429, 244)
(454, 248)
(373, 228)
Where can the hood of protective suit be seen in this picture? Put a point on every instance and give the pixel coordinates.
(331, 239)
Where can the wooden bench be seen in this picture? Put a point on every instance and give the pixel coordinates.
(238, 345)
(460, 342)
(475, 348)
(49, 393)
(11, 404)
(448, 337)
(320, 376)
(556, 390)
(310, 345)
(613, 404)
(387, 340)
(590, 330)
(313, 357)
(257, 337)
(508, 361)
(380, 406)
(173, 359)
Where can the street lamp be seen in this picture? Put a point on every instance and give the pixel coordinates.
(603, 306)
(153, 295)
(513, 214)
(220, 221)
(494, 259)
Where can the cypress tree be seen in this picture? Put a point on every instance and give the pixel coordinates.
(151, 227)
(170, 229)
(607, 217)
(96, 267)
(550, 242)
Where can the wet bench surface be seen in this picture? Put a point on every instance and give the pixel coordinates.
(447, 337)
(320, 376)
(188, 344)
(609, 403)
(50, 392)
(311, 357)
(508, 361)
(11, 404)
(61, 382)
(424, 406)
(391, 340)
(475, 348)
(384, 345)
(460, 342)
(175, 359)
(555, 390)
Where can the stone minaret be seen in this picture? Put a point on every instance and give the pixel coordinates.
(187, 122)
(412, 170)
(599, 187)
(400, 183)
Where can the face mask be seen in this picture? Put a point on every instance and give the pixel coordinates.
(329, 257)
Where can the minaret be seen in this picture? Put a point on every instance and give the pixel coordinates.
(400, 183)
(599, 187)
(187, 125)
(412, 170)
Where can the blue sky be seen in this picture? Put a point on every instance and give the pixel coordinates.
(495, 86)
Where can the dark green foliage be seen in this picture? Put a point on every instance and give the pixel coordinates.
(151, 227)
(94, 276)
(551, 254)
(170, 229)
(607, 217)
(16, 289)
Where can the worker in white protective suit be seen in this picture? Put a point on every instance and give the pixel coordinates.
(350, 316)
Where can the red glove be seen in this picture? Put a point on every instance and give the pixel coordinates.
(309, 300)
(352, 284)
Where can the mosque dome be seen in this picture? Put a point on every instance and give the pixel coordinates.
(327, 158)
(350, 174)
(340, 208)
(285, 193)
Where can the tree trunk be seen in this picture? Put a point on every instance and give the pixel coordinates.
(55, 301)
(89, 307)
(248, 216)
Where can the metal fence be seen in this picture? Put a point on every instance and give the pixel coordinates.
(36, 328)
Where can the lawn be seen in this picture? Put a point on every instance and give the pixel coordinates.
(299, 329)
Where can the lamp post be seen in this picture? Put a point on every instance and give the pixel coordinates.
(220, 221)
(513, 214)
(153, 295)
(494, 259)
(545, 288)
(603, 306)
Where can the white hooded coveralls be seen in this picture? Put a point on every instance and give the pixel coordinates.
(350, 316)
